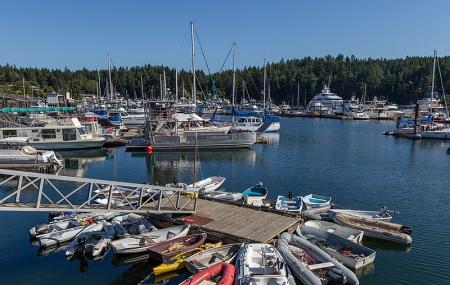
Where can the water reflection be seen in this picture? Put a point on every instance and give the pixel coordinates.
(76, 161)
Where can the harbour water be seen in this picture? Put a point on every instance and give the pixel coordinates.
(349, 160)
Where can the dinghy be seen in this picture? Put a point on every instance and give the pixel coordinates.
(289, 205)
(312, 265)
(131, 224)
(259, 263)
(224, 196)
(351, 254)
(255, 194)
(58, 236)
(208, 185)
(382, 215)
(223, 269)
(207, 258)
(165, 250)
(375, 228)
(322, 227)
(313, 200)
(40, 230)
(92, 240)
(141, 242)
(317, 213)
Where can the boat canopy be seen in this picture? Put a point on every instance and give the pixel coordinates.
(37, 109)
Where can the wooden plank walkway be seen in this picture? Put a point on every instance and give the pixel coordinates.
(243, 223)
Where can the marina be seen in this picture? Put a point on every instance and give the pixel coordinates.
(159, 144)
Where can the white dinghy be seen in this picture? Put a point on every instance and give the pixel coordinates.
(141, 242)
(88, 234)
(321, 227)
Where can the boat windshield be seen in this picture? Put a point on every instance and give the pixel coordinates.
(81, 131)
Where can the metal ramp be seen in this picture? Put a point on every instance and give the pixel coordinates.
(29, 191)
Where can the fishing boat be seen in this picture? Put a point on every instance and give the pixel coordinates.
(141, 242)
(177, 262)
(165, 250)
(259, 263)
(374, 228)
(322, 227)
(313, 200)
(93, 240)
(350, 253)
(255, 194)
(382, 215)
(287, 204)
(224, 196)
(312, 265)
(211, 257)
(226, 270)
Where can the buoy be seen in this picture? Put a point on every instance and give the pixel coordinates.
(149, 149)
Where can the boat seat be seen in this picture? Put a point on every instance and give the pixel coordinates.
(219, 256)
(320, 265)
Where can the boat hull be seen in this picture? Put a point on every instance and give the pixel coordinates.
(69, 145)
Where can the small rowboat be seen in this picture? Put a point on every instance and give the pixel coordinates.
(224, 269)
(289, 205)
(165, 250)
(208, 185)
(376, 229)
(224, 196)
(255, 194)
(207, 258)
(312, 200)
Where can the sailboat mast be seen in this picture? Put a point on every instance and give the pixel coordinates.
(234, 75)
(176, 85)
(160, 87)
(165, 85)
(298, 95)
(109, 78)
(432, 82)
(264, 87)
(194, 89)
(142, 90)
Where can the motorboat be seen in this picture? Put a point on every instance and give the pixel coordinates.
(293, 204)
(255, 194)
(165, 250)
(141, 242)
(95, 238)
(325, 102)
(259, 263)
(256, 124)
(310, 264)
(131, 224)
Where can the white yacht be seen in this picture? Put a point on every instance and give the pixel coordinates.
(352, 110)
(377, 109)
(253, 124)
(189, 123)
(325, 102)
(66, 135)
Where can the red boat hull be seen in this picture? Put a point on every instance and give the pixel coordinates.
(225, 269)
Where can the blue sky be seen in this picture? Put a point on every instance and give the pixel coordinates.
(76, 34)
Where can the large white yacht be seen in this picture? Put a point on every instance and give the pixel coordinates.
(326, 101)
(56, 135)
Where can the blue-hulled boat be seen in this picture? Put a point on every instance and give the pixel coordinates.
(313, 200)
(255, 194)
(287, 204)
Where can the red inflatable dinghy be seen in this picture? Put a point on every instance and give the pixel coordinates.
(226, 270)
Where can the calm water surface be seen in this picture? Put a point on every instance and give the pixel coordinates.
(351, 161)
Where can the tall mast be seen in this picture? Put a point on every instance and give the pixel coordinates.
(264, 88)
(234, 76)
(176, 85)
(243, 90)
(99, 86)
(298, 95)
(142, 90)
(165, 84)
(109, 78)
(432, 83)
(160, 87)
(194, 89)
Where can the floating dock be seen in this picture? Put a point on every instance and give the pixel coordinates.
(232, 222)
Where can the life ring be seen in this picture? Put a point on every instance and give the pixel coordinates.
(225, 269)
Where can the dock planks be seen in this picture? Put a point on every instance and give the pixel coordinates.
(245, 223)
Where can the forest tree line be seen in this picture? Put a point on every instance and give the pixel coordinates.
(402, 80)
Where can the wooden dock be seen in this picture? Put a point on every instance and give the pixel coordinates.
(231, 222)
